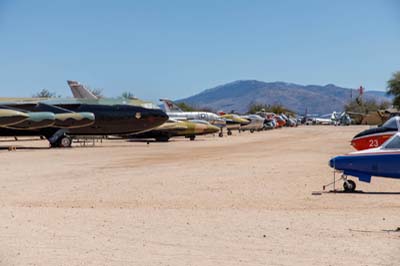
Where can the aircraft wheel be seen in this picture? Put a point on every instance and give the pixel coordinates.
(251, 130)
(192, 138)
(65, 142)
(220, 134)
(229, 133)
(349, 186)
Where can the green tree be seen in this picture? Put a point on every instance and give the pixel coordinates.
(96, 92)
(274, 108)
(127, 95)
(364, 107)
(394, 88)
(44, 93)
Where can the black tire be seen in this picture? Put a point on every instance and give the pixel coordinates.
(220, 134)
(65, 142)
(251, 130)
(229, 133)
(192, 138)
(349, 186)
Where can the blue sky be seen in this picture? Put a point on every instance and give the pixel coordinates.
(178, 48)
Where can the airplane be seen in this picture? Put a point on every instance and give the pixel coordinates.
(381, 162)
(280, 121)
(174, 128)
(375, 137)
(322, 121)
(256, 123)
(269, 119)
(59, 120)
(171, 128)
(233, 122)
(174, 112)
(342, 118)
(290, 122)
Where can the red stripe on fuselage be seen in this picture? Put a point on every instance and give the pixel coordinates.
(371, 141)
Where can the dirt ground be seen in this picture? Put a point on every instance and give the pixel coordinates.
(240, 200)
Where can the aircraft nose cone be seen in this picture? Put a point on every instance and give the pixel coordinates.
(159, 116)
(340, 162)
(332, 162)
(212, 129)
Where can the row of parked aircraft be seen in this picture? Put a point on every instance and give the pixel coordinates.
(378, 154)
(60, 120)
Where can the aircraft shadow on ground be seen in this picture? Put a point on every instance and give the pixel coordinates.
(146, 141)
(360, 192)
(24, 148)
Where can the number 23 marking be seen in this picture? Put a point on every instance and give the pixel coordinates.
(373, 143)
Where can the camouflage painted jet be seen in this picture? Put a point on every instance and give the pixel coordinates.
(174, 128)
(174, 112)
(59, 120)
(171, 128)
(233, 122)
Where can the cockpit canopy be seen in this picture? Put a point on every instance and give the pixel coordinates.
(392, 143)
(392, 123)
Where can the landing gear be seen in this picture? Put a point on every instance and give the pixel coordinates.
(221, 134)
(62, 142)
(192, 138)
(251, 130)
(349, 186)
(229, 133)
(65, 142)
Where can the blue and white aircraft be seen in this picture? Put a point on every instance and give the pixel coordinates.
(381, 162)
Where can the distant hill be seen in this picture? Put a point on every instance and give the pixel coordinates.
(239, 95)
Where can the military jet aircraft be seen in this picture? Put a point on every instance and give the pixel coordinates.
(256, 123)
(375, 137)
(174, 112)
(174, 128)
(171, 128)
(60, 119)
(382, 162)
(233, 122)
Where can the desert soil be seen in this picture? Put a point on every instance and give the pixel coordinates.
(240, 200)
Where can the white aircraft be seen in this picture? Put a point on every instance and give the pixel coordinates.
(174, 112)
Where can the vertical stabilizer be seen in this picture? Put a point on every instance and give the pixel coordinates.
(170, 106)
(79, 91)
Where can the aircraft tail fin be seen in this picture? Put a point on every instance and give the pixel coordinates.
(170, 106)
(79, 91)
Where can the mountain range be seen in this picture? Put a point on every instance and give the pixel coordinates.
(239, 95)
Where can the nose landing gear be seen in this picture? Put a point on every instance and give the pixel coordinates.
(349, 185)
